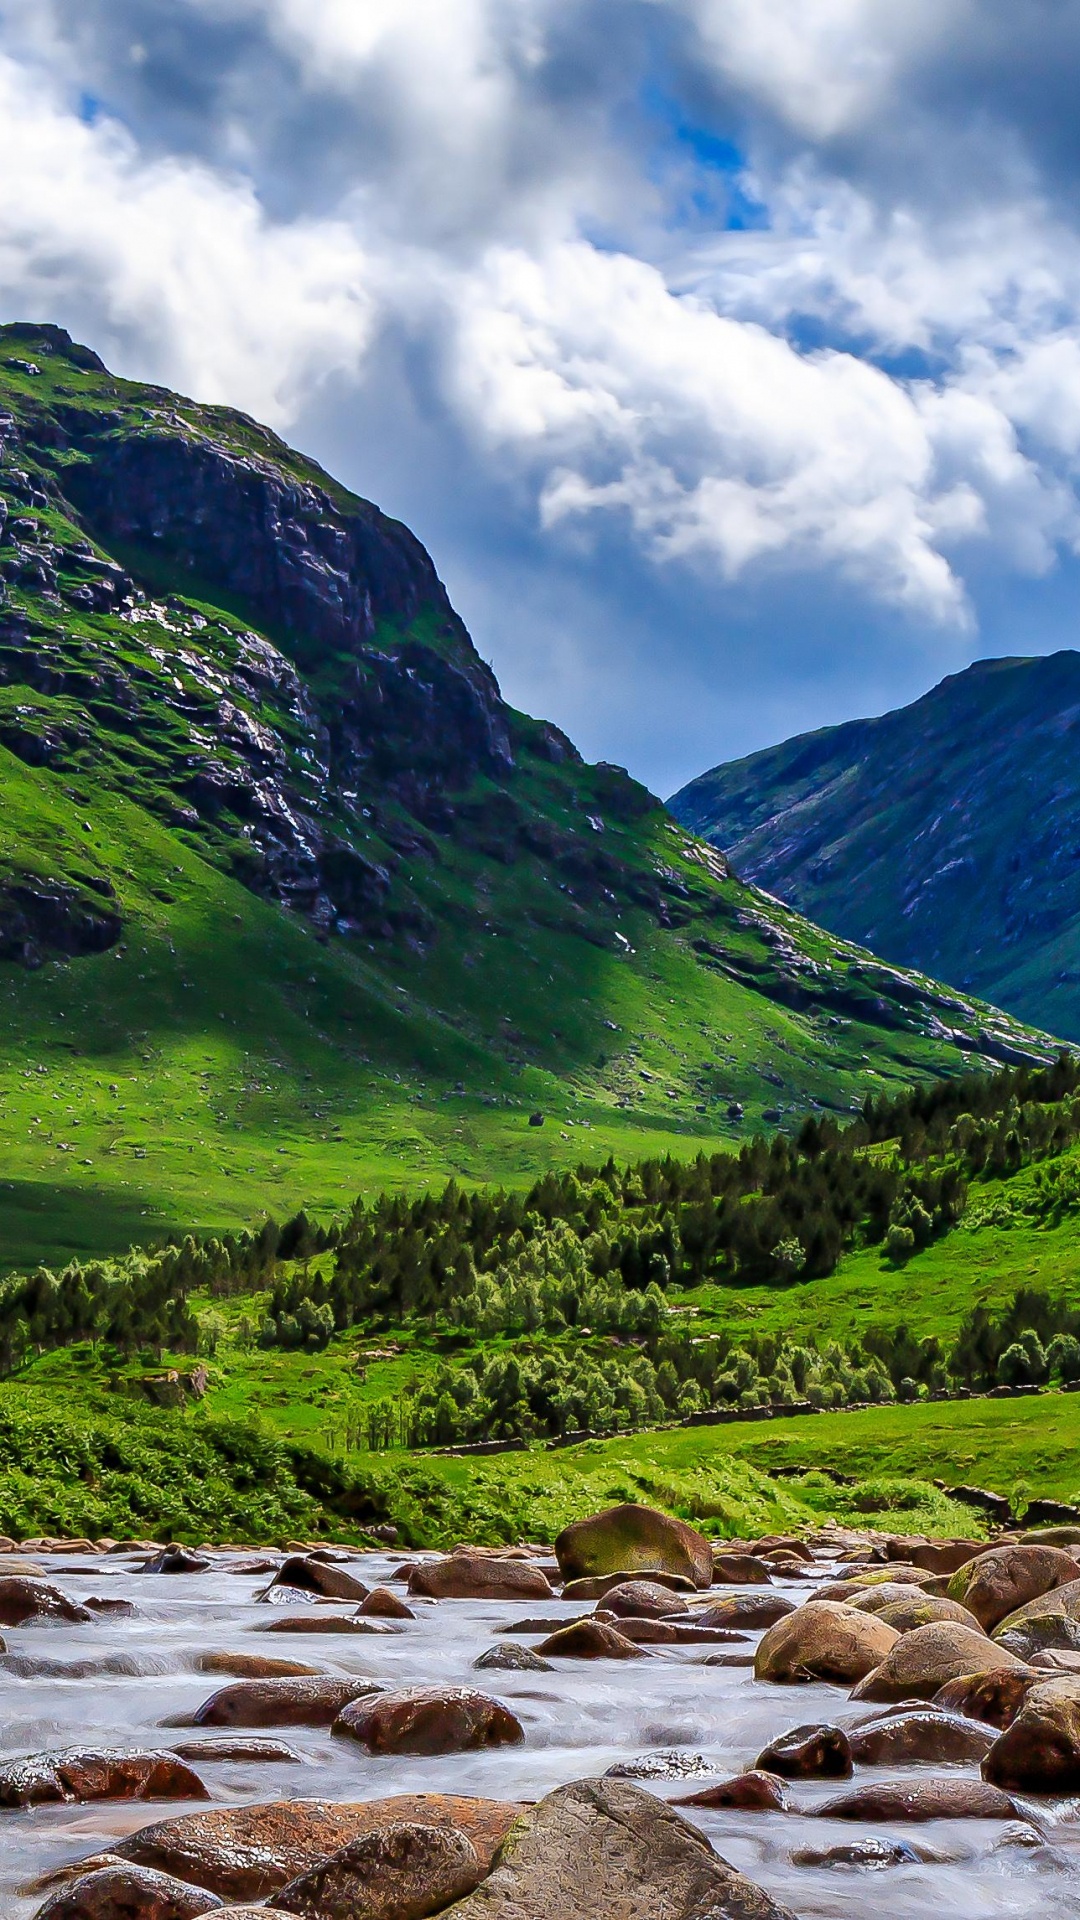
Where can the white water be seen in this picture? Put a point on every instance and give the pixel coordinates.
(578, 1720)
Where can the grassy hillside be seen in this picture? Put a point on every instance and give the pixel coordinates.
(942, 835)
(292, 905)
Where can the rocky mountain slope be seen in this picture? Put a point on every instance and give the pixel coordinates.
(945, 835)
(291, 901)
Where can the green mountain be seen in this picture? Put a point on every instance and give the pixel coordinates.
(945, 835)
(293, 904)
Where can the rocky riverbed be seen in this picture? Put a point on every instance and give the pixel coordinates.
(819, 1729)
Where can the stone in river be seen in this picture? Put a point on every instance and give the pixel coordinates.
(429, 1720)
(922, 1800)
(740, 1570)
(994, 1697)
(916, 1735)
(1040, 1751)
(128, 1893)
(319, 1622)
(746, 1610)
(401, 1872)
(302, 1573)
(281, 1703)
(597, 1586)
(636, 1539)
(177, 1560)
(823, 1640)
(381, 1603)
(643, 1600)
(673, 1764)
(609, 1848)
(479, 1576)
(237, 1750)
(922, 1661)
(85, 1774)
(996, 1583)
(23, 1598)
(591, 1640)
(808, 1753)
(867, 1854)
(750, 1792)
(924, 1610)
(115, 1609)
(511, 1659)
(250, 1853)
(255, 1666)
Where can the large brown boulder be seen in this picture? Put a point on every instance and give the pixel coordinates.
(924, 1610)
(128, 1893)
(606, 1847)
(997, 1583)
(875, 1596)
(637, 1540)
(429, 1720)
(740, 1570)
(479, 1576)
(303, 1574)
(402, 1872)
(85, 1774)
(918, 1735)
(23, 1598)
(922, 1800)
(254, 1666)
(644, 1600)
(1050, 1621)
(750, 1792)
(252, 1750)
(1040, 1751)
(921, 1662)
(823, 1641)
(596, 1586)
(281, 1703)
(249, 1853)
(744, 1612)
(590, 1640)
(808, 1753)
(994, 1698)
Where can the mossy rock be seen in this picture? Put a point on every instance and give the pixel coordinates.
(633, 1539)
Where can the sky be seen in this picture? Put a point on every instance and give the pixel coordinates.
(724, 353)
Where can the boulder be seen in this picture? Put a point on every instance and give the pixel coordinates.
(250, 1853)
(595, 1587)
(1040, 1751)
(479, 1576)
(254, 1666)
(404, 1871)
(746, 1611)
(672, 1763)
(128, 1893)
(323, 1621)
(922, 1800)
(740, 1570)
(924, 1610)
(919, 1735)
(807, 1753)
(635, 1539)
(872, 1855)
(281, 1703)
(787, 1544)
(823, 1640)
(644, 1600)
(305, 1574)
(24, 1598)
(993, 1698)
(997, 1583)
(922, 1661)
(510, 1658)
(382, 1604)
(751, 1792)
(945, 1556)
(93, 1773)
(670, 1633)
(1050, 1620)
(875, 1596)
(429, 1720)
(242, 1752)
(607, 1847)
(177, 1560)
(590, 1640)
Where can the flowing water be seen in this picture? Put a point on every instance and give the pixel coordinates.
(579, 1720)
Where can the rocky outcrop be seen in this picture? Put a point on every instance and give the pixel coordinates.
(40, 918)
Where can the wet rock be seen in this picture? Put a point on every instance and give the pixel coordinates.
(237, 1751)
(381, 1604)
(303, 1573)
(922, 1800)
(918, 1735)
(511, 1659)
(177, 1560)
(281, 1703)
(24, 1598)
(993, 1697)
(870, 1855)
(609, 1847)
(945, 1556)
(320, 1622)
(787, 1544)
(670, 1633)
(750, 1792)
(113, 1609)
(874, 1597)
(598, 1586)
(807, 1753)
(921, 1662)
(91, 1773)
(634, 1539)
(1031, 1628)
(924, 1610)
(746, 1611)
(1040, 1751)
(37, 1666)
(590, 1640)
(823, 1641)
(671, 1765)
(997, 1583)
(429, 1720)
(478, 1576)
(250, 1853)
(127, 1893)
(403, 1871)
(255, 1666)
(740, 1570)
(643, 1600)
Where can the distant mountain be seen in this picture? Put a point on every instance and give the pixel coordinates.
(292, 903)
(945, 836)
